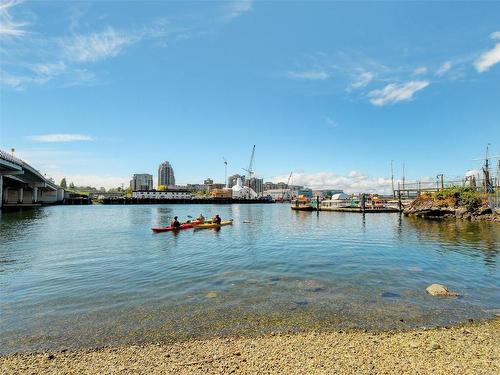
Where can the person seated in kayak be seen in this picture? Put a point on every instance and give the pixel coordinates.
(201, 218)
(216, 220)
(175, 223)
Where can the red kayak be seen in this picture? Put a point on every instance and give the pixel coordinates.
(169, 229)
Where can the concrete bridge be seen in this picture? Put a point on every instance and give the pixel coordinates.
(21, 185)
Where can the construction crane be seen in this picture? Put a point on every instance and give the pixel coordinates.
(250, 171)
(287, 187)
(225, 170)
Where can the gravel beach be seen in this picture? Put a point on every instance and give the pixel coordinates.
(468, 349)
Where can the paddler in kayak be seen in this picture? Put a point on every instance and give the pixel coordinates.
(201, 218)
(216, 220)
(175, 223)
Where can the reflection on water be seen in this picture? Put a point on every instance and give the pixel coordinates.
(473, 238)
(92, 275)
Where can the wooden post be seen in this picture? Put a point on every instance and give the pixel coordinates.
(400, 204)
(362, 202)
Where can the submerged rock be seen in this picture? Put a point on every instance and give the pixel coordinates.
(440, 290)
(211, 295)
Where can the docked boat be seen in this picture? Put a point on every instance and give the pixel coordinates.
(337, 201)
(302, 204)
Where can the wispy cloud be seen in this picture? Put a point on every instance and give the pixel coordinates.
(443, 68)
(234, 9)
(9, 27)
(312, 75)
(394, 92)
(363, 80)
(420, 70)
(488, 59)
(495, 35)
(49, 138)
(50, 69)
(96, 46)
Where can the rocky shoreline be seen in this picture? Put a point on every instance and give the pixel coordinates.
(473, 348)
(433, 208)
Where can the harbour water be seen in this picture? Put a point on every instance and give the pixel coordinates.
(73, 276)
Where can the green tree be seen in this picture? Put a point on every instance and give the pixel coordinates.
(63, 183)
(71, 185)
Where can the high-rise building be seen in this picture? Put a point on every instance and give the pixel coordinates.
(231, 180)
(208, 181)
(166, 174)
(256, 184)
(141, 181)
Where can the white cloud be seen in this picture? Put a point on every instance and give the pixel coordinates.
(96, 46)
(495, 35)
(420, 70)
(354, 182)
(488, 59)
(50, 69)
(8, 27)
(46, 138)
(312, 75)
(394, 92)
(363, 80)
(444, 68)
(234, 9)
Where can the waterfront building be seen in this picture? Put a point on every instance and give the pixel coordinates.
(269, 186)
(256, 184)
(243, 192)
(222, 192)
(215, 186)
(232, 180)
(278, 194)
(104, 195)
(197, 187)
(171, 193)
(166, 174)
(141, 181)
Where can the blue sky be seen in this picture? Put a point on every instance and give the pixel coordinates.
(97, 91)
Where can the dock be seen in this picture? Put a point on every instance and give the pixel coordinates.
(359, 210)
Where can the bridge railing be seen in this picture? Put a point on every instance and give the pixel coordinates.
(11, 158)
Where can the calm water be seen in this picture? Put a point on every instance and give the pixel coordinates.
(91, 275)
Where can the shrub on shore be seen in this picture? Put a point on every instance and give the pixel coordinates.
(457, 196)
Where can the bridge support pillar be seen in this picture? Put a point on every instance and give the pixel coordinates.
(1, 191)
(35, 194)
(20, 195)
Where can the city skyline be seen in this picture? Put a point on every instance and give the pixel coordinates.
(114, 90)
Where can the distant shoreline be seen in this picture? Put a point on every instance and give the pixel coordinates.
(467, 348)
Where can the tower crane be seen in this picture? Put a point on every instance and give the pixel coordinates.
(250, 171)
(287, 186)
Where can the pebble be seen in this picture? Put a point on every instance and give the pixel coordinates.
(435, 346)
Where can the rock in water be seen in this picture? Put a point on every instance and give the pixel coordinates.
(211, 295)
(440, 290)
